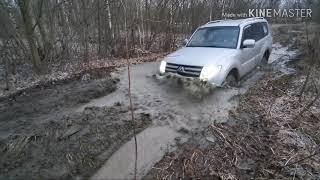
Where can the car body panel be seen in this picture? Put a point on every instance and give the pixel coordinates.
(200, 56)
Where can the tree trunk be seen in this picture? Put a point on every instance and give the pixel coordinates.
(85, 30)
(110, 19)
(142, 23)
(45, 40)
(99, 29)
(27, 19)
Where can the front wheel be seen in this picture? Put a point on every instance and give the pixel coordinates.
(264, 60)
(231, 81)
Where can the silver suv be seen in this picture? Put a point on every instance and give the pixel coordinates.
(221, 52)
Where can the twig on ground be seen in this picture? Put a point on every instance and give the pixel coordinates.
(312, 102)
(300, 104)
(300, 160)
(290, 159)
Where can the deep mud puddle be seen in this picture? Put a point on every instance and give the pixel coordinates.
(176, 111)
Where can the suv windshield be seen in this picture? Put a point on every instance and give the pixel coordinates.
(219, 37)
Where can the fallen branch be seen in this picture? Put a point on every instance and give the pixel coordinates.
(300, 104)
(296, 162)
(312, 102)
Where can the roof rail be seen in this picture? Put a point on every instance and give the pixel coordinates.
(258, 17)
(216, 21)
(251, 19)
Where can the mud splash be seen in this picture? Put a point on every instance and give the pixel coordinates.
(168, 104)
(281, 56)
(175, 112)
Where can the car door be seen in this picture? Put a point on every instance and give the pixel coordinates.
(266, 41)
(249, 56)
(260, 41)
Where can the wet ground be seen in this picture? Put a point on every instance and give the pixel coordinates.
(42, 137)
(82, 128)
(176, 109)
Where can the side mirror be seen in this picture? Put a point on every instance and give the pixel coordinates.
(184, 42)
(248, 43)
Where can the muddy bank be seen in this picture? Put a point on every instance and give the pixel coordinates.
(21, 111)
(73, 146)
(42, 137)
(23, 78)
(62, 79)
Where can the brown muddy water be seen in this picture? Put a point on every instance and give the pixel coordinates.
(177, 110)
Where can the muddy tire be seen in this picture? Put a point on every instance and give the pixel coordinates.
(264, 60)
(231, 81)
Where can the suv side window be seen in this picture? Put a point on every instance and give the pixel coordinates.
(254, 31)
(265, 29)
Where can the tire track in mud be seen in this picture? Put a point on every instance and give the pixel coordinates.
(176, 111)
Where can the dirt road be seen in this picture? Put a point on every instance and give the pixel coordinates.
(176, 110)
(82, 128)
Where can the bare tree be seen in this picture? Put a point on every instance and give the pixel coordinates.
(60, 31)
(24, 6)
(109, 18)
